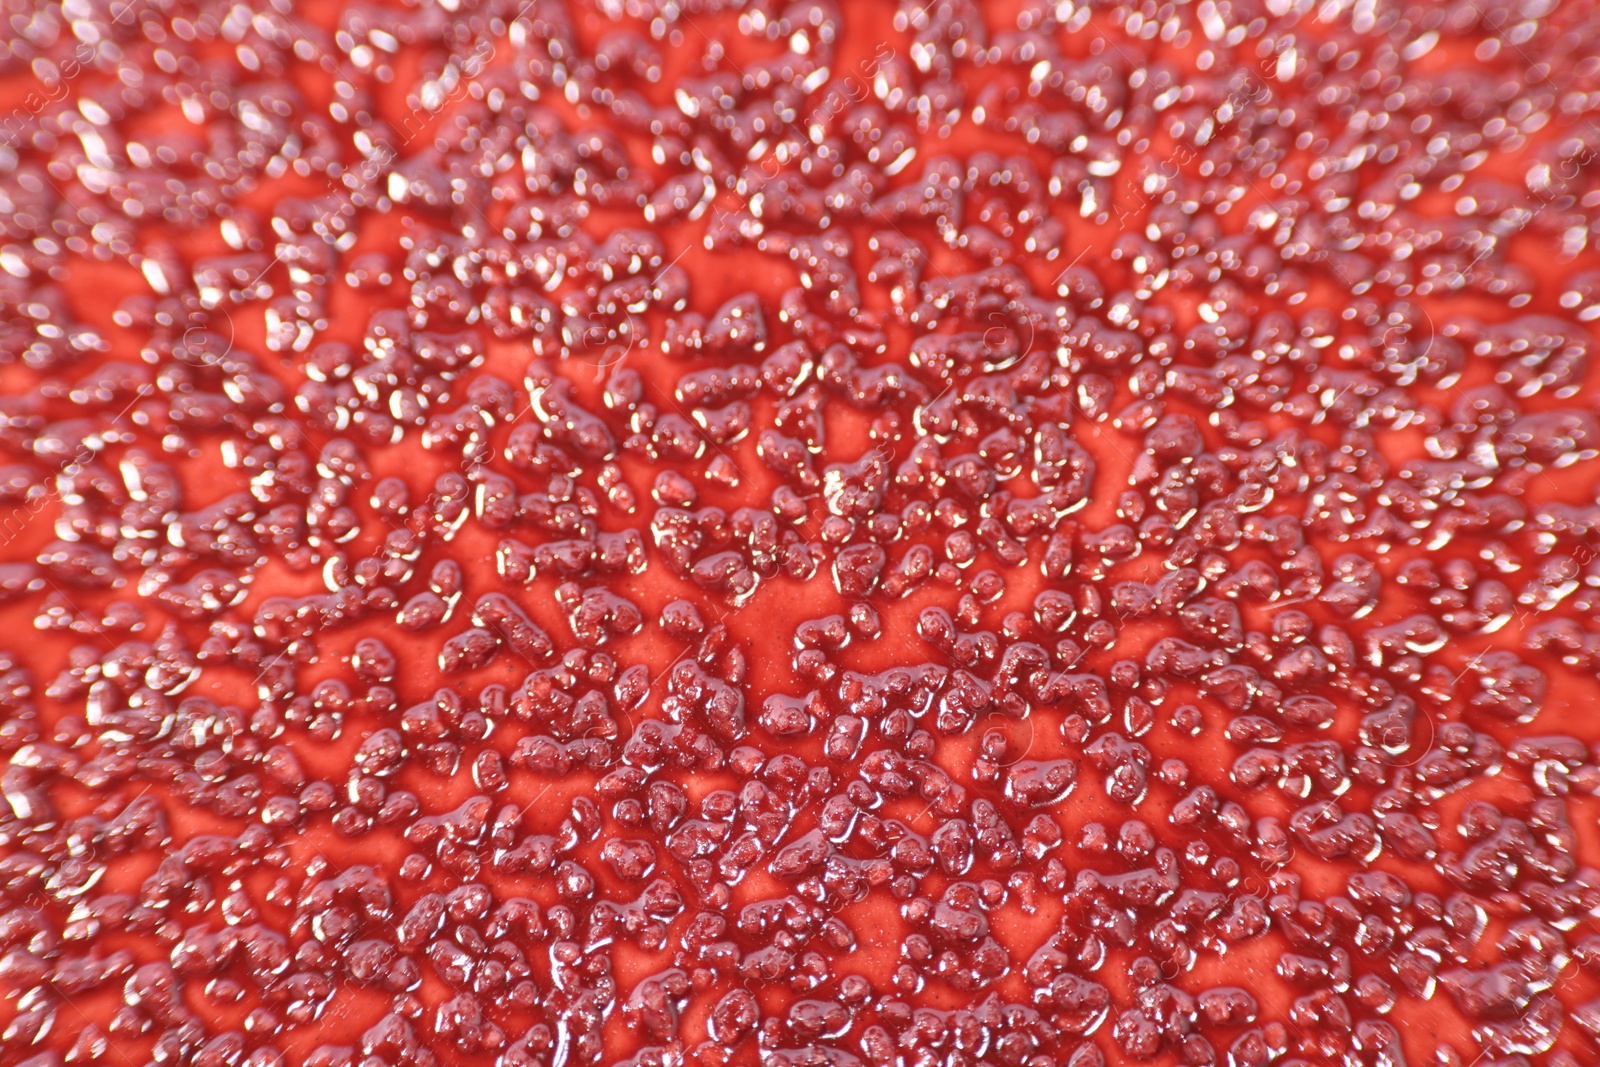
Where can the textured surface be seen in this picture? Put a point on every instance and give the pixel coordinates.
(542, 534)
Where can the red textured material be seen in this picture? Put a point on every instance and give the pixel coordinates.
(544, 534)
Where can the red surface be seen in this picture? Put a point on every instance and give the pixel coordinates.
(950, 534)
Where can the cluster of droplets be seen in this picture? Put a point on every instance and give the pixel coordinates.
(720, 533)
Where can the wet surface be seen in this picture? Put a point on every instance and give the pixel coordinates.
(542, 534)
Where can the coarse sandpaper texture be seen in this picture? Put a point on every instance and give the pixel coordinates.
(693, 533)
